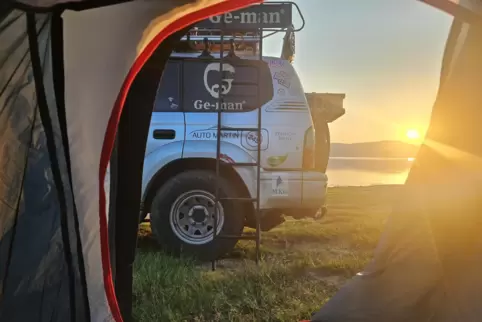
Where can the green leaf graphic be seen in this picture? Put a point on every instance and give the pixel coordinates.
(275, 161)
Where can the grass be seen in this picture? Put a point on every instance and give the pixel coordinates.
(304, 263)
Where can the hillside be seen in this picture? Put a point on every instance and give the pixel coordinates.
(381, 149)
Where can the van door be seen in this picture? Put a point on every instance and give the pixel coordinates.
(167, 124)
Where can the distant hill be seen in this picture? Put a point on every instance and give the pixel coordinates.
(381, 149)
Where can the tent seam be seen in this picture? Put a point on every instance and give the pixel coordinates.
(58, 78)
(51, 147)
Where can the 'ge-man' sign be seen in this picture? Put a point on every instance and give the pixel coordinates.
(267, 16)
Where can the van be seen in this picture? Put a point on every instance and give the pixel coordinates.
(179, 168)
(180, 179)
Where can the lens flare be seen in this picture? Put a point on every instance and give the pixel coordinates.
(412, 134)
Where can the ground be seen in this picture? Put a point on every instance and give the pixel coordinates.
(304, 263)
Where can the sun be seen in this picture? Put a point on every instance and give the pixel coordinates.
(412, 134)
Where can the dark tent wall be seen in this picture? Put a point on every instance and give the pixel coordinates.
(40, 261)
(64, 80)
(129, 154)
(427, 265)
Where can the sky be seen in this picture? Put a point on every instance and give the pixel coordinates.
(385, 55)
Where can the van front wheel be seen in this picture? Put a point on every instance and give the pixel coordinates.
(183, 214)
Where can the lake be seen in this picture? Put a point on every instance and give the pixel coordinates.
(367, 171)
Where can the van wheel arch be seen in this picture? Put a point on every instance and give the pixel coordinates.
(180, 165)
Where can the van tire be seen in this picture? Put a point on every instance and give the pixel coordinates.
(186, 186)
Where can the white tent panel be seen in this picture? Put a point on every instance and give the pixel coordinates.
(101, 45)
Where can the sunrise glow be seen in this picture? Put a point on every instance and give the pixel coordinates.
(412, 134)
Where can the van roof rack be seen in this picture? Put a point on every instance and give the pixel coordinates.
(242, 32)
(217, 38)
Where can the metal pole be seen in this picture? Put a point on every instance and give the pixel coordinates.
(258, 168)
(218, 140)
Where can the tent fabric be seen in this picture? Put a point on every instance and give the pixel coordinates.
(36, 205)
(428, 261)
(64, 79)
(129, 154)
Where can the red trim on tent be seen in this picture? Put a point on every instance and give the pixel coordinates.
(219, 8)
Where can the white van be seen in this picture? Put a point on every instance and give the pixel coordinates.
(179, 179)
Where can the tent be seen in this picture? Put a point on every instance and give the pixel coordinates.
(427, 265)
(72, 91)
(71, 88)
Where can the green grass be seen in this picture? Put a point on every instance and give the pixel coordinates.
(304, 263)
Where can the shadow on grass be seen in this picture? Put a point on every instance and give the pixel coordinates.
(147, 244)
(299, 239)
(248, 293)
(279, 289)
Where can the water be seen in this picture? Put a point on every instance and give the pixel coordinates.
(367, 171)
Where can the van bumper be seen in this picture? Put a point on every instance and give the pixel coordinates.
(296, 193)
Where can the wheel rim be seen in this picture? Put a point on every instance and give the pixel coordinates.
(192, 217)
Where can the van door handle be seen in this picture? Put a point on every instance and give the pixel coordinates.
(164, 134)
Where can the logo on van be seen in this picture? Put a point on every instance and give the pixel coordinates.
(214, 90)
(251, 139)
(212, 134)
(283, 79)
(279, 186)
(277, 160)
(227, 83)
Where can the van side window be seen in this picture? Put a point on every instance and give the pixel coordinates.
(240, 86)
(168, 92)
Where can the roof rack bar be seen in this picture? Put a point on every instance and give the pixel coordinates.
(226, 32)
(217, 38)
